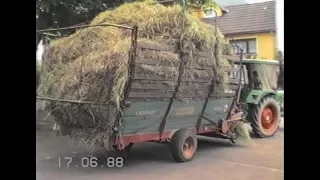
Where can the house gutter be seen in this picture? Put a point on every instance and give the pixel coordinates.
(249, 32)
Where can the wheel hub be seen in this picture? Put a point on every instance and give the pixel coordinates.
(188, 147)
(267, 115)
(268, 119)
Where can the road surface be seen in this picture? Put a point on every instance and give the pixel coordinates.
(262, 159)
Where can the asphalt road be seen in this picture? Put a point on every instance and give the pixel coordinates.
(262, 159)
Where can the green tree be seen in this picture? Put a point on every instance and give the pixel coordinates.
(199, 3)
(62, 13)
(59, 13)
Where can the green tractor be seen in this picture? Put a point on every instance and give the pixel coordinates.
(261, 95)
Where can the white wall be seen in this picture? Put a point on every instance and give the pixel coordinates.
(40, 52)
(230, 2)
(279, 24)
(257, 1)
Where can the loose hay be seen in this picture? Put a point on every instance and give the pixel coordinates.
(92, 64)
(242, 131)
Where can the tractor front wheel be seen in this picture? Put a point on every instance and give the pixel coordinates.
(265, 117)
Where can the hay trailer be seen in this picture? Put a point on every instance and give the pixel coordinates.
(261, 93)
(153, 113)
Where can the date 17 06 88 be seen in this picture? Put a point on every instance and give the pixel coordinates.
(91, 162)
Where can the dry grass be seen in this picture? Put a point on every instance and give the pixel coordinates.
(242, 131)
(92, 64)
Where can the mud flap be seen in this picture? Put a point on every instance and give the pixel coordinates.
(56, 127)
(61, 130)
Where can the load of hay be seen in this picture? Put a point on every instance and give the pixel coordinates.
(92, 64)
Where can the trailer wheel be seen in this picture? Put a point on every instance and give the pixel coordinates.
(265, 117)
(183, 146)
(126, 149)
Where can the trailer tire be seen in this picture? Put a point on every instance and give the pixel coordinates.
(265, 117)
(126, 149)
(183, 146)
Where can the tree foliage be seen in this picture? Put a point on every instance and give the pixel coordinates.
(198, 3)
(62, 13)
(59, 13)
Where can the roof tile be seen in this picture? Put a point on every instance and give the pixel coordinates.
(257, 17)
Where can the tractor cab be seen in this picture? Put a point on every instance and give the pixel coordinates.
(260, 74)
(261, 93)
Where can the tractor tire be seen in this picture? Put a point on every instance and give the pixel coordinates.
(183, 146)
(265, 117)
(126, 149)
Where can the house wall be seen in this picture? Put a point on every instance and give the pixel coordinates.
(266, 44)
(199, 13)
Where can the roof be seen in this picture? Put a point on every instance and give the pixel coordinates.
(247, 18)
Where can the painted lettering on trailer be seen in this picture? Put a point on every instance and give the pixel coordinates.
(185, 111)
(220, 110)
(145, 113)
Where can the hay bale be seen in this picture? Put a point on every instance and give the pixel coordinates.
(92, 64)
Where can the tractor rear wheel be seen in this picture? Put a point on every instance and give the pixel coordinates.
(184, 145)
(265, 117)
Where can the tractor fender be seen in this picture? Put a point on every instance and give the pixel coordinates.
(255, 96)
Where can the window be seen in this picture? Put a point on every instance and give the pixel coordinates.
(235, 75)
(249, 46)
(209, 13)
